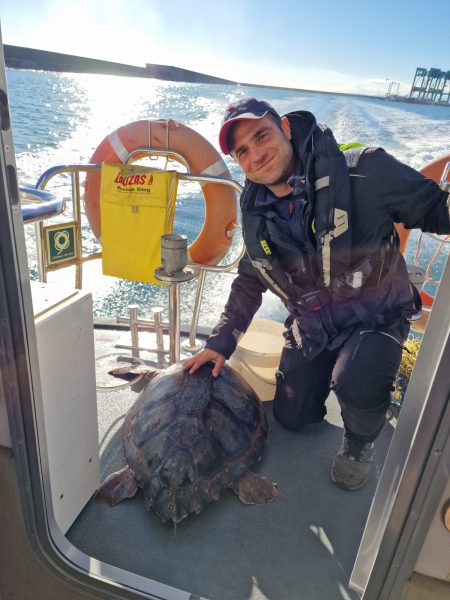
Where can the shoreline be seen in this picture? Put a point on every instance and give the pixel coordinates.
(19, 57)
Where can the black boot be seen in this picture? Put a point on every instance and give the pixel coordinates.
(351, 466)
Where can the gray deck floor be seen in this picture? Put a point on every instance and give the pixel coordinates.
(302, 546)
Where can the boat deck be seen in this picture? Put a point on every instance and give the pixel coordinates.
(303, 545)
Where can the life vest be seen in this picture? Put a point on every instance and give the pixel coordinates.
(328, 273)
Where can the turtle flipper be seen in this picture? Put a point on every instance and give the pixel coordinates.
(130, 372)
(117, 487)
(255, 489)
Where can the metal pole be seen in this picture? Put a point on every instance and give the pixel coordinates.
(192, 345)
(174, 320)
(40, 254)
(157, 319)
(134, 331)
(76, 207)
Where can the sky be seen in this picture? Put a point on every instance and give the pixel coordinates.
(352, 46)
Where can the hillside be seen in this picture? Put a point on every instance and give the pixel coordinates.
(18, 57)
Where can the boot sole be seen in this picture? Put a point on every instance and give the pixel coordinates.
(342, 486)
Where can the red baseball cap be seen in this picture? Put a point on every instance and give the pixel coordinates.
(246, 108)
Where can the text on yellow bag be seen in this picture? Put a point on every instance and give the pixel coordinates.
(137, 208)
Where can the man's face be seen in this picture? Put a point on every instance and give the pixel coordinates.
(263, 151)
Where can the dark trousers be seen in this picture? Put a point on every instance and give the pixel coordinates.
(361, 372)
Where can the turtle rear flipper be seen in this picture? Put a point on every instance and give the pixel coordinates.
(117, 487)
(255, 489)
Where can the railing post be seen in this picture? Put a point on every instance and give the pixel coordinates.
(76, 206)
(192, 345)
(174, 271)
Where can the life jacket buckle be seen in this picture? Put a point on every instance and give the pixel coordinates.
(314, 300)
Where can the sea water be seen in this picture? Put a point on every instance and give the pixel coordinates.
(59, 119)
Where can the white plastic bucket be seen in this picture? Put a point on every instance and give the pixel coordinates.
(257, 356)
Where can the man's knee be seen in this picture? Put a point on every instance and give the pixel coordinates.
(292, 409)
(362, 390)
(364, 396)
(366, 370)
(364, 402)
(294, 421)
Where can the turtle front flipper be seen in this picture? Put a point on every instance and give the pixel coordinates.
(117, 487)
(255, 489)
(131, 371)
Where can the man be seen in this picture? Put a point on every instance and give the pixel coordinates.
(318, 226)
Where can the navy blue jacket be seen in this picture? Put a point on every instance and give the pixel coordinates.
(383, 191)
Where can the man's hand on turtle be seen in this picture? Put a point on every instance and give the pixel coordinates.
(194, 363)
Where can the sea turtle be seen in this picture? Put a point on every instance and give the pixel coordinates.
(187, 438)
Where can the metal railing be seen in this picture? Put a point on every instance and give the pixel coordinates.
(80, 258)
(190, 344)
(38, 205)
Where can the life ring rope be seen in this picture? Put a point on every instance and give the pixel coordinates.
(428, 279)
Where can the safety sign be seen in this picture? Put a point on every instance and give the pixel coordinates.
(60, 242)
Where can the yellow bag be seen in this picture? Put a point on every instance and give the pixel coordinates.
(137, 208)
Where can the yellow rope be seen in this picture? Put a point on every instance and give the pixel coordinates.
(409, 356)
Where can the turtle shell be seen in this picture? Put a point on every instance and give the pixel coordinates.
(188, 437)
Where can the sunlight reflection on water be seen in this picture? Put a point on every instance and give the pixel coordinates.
(61, 118)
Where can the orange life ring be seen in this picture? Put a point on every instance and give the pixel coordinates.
(432, 170)
(216, 235)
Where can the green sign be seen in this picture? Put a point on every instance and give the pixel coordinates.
(60, 242)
